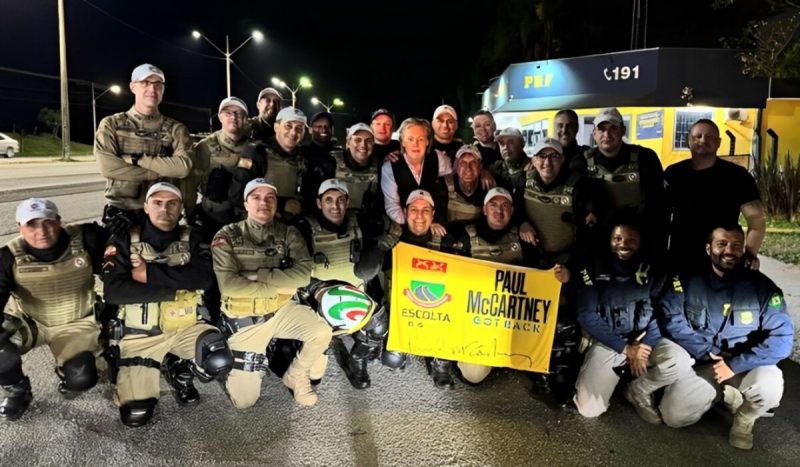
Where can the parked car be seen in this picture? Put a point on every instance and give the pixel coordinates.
(9, 147)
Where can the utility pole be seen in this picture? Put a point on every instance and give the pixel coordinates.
(62, 49)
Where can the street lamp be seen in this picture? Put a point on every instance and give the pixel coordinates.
(336, 103)
(304, 82)
(227, 53)
(114, 90)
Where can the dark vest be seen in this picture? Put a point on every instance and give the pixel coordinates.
(406, 183)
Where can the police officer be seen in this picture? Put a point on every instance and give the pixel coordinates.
(138, 147)
(465, 193)
(731, 324)
(493, 238)
(382, 123)
(418, 230)
(280, 160)
(336, 241)
(216, 158)
(319, 162)
(616, 307)
(262, 126)
(565, 124)
(445, 124)
(156, 274)
(48, 272)
(484, 128)
(260, 262)
(631, 175)
(510, 171)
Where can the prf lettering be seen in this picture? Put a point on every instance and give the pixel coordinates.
(538, 81)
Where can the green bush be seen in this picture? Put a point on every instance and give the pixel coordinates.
(779, 184)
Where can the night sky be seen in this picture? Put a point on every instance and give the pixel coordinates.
(409, 56)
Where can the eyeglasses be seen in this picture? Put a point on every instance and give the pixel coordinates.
(232, 114)
(552, 156)
(154, 84)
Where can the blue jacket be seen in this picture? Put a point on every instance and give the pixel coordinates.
(616, 305)
(742, 314)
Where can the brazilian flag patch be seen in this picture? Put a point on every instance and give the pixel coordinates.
(776, 300)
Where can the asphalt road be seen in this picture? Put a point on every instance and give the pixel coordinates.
(401, 420)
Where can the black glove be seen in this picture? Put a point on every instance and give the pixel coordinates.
(370, 265)
(219, 180)
(118, 224)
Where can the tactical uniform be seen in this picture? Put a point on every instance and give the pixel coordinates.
(260, 129)
(161, 316)
(509, 176)
(255, 312)
(615, 304)
(741, 317)
(160, 150)
(53, 296)
(361, 181)
(459, 207)
(336, 250)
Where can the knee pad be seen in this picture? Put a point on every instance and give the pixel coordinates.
(213, 356)
(137, 413)
(393, 360)
(79, 372)
(10, 364)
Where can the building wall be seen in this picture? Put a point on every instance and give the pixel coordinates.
(783, 116)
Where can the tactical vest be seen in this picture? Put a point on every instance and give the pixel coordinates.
(625, 303)
(623, 184)
(406, 183)
(552, 213)
(286, 173)
(133, 138)
(253, 257)
(458, 208)
(223, 157)
(358, 182)
(171, 315)
(508, 250)
(334, 256)
(54, 293)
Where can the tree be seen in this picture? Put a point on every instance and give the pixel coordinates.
(50, 118)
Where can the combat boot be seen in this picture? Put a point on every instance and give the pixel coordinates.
(179, 376)
(643, 403)
(317, 370)
(440, 372)
(299, 385)
(356, 371)
(16, 399)
(741, 434)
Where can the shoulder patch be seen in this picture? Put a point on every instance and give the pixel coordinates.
(111, 250)
(219, 241)
(776, 300)
(244, 163)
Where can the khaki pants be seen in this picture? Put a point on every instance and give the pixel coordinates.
(597, 379)
(291, 321)
(692, 395)
(65, 340)
(139, 382)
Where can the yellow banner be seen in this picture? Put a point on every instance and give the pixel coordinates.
(472, 311)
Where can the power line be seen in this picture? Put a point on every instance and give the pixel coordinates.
(255, 85)
(140, 31)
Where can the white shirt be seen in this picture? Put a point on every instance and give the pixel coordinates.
(391, 195)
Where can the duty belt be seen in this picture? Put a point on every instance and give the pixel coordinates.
(231, 326)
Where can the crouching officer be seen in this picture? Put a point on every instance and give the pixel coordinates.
(260, 262)
(335, 240)
(48, 272)
(156, 275)
(731, 324)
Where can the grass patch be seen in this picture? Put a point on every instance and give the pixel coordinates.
(782, 246)
(45, 144)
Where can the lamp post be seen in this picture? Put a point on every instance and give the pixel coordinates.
(304, 82)
(336, 103)
(227, 53)
(114, 90)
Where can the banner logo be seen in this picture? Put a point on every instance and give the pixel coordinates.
(428, 265)
(427, 294)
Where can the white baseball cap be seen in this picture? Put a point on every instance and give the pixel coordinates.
(36, 208)
(509, 132)
(419, 194)
(497, 191)
(548, 143)
(333, 184)
(234, 101)
(468, 149)
(269, 91)
(163, 186)
(610, 114)
(445, 108)
(146, 70)
(257, 183)
(291, 114)
(359, 127)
